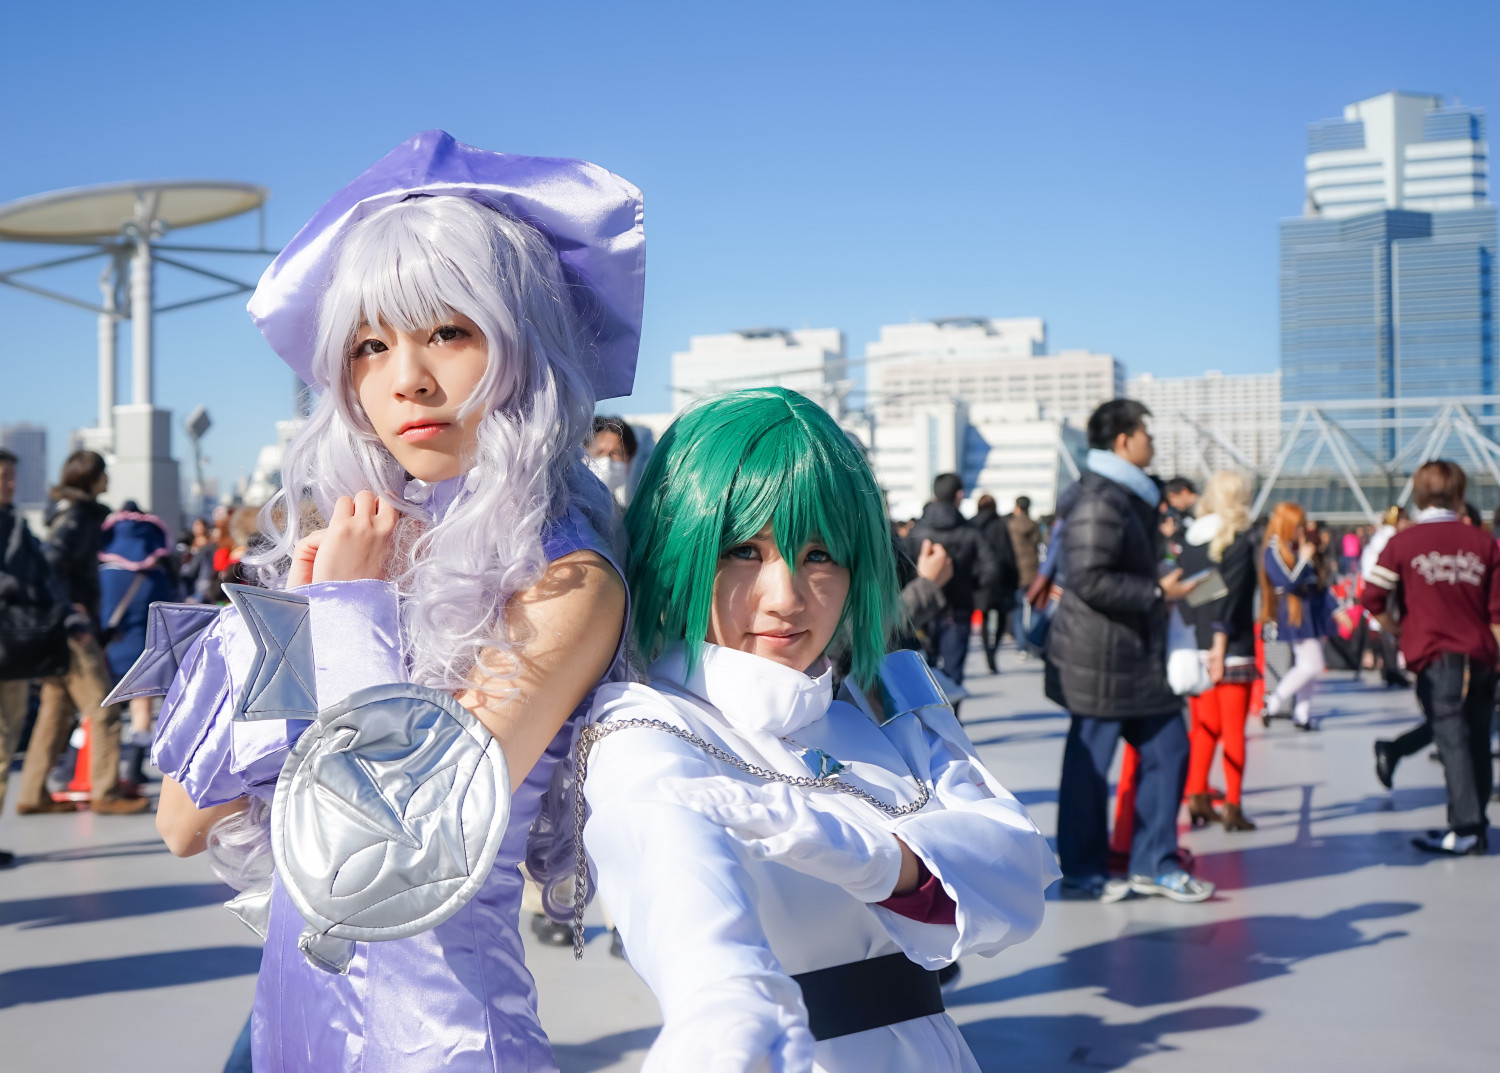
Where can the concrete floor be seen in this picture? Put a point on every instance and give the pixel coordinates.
(1332, 944)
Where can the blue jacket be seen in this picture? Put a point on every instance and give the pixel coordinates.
(1301, 581)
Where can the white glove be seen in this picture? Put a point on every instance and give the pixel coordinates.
(736, 1026)
(781, 823)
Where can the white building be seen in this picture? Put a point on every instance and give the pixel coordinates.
(979, 360)
(809, 360)
(1397, 151)
(1003, 449)
(265, 480)
(1206, 423)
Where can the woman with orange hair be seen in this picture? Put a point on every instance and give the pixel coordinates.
(1294, 596)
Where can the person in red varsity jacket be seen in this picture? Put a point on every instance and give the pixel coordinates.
(1441, 574)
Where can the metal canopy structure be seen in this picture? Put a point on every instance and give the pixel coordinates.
(1347, 459)
(126, 223)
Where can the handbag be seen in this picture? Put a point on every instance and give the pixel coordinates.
(1187, 674)
(34, 641)
(33, 629)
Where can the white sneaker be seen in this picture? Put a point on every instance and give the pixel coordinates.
(1451, 843)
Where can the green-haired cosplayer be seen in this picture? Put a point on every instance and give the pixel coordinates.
(772, 842)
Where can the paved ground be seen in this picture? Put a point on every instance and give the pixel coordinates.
(1333, 944)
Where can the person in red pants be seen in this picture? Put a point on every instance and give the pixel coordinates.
(1221, 540)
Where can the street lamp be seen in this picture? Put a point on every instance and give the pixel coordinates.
(195, 425)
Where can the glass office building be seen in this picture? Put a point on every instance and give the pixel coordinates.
(1387, 280)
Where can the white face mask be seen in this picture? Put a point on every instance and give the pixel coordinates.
(613, 474)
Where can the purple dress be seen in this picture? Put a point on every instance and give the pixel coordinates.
(456, 998)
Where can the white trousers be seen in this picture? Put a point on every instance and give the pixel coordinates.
(1301, 681)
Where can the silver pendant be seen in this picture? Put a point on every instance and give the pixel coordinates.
(820, 763)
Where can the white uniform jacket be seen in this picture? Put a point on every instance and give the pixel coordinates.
(698, 912)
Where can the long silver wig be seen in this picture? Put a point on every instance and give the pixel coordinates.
(409, 267)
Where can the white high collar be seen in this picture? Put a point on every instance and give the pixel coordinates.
(754, 695)
(1436, 514)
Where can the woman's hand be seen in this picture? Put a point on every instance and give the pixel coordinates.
(1173, 587)
(355, 546)
(1216, 656)
(934, 564)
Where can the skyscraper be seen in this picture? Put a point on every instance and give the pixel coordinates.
(1387, 278)
(29, 444)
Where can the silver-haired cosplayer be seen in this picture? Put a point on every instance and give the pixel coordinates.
(365, 745)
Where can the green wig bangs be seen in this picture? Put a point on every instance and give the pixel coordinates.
(723, 471)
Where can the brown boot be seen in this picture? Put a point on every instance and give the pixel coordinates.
(1201, 810)
(120, 806)
(1235, 820)
(48, 805)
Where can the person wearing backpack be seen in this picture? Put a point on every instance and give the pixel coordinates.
(33, 641)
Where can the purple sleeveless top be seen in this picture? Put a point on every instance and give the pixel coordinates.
(457, 998)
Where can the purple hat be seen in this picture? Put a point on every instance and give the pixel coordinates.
(592, 217)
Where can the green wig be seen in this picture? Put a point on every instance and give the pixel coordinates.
(723, 471)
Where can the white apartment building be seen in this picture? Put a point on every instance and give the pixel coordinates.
(977, 396)
(1004, 449)
(979, 360)
(1397, 151)
(809, 360)
(1206, 423)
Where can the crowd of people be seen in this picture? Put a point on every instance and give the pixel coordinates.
(1139, 572)
(74, 608)
(460, 669)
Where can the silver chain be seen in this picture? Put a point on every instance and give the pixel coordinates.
(591, 733)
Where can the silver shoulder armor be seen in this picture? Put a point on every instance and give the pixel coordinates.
(907, 685)
(387, 818)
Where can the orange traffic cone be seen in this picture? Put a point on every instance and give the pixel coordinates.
(78, 789)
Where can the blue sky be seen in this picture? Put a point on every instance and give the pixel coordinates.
(1115, 168)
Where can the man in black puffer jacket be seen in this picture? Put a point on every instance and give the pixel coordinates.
(1107, 665)
(974, 567)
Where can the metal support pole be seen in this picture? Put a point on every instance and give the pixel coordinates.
(1287, 446)
(140, 320)
(109, 336)
(1345, 463)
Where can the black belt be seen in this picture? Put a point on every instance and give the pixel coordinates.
(862, 995)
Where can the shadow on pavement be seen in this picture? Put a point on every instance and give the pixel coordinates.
(1078, 1041)
(603, 1052)
(1017, 717)
(1149, 966)
(143, 972)
(1398, 800)
(1020, 737)
(138, 848)
(110, 904)
(1310, 856)
(1036, 797)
